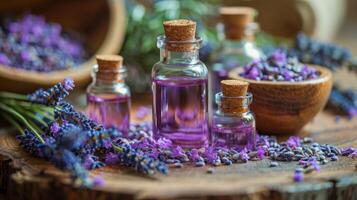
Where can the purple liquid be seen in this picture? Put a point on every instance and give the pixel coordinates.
(112, 111)
(234, 135)
(180, 111)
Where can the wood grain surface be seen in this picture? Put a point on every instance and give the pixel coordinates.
(25, 177)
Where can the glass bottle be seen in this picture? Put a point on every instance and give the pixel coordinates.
(180, 84)
(238, 47)
(234, 129)
(108, 97)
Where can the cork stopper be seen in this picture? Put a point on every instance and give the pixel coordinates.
(109, 67)
(236, 20)
(177, 31)
(232, 90)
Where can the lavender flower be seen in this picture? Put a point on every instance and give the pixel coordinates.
(293, 142)
(53, 95)
(71, 137)
(98, 181)
(298, 176)
(111, 158)
(244, 156)
(33, 44)
(279, 67)
(178, 152)
(30, 143)
(130, 157)
(315, 164)
(260, 153)
(194, 155)
(55, 128)
(211, 155)
(164, 143)
(279, 57)
(68, 84)
(142, 112)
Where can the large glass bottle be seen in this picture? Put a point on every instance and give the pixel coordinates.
(108, 97)
(180, 84)
(238, 48)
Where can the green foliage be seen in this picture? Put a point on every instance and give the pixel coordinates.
(144, 24)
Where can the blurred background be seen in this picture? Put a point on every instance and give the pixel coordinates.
(130, 28)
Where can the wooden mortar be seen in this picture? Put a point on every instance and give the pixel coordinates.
(283, 108)
(102, 23)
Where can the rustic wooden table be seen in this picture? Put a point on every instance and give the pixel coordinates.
(25, 177)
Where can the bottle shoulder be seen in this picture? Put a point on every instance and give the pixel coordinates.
(197, 69)
(120, 89)
(237, 55)
(220, 117)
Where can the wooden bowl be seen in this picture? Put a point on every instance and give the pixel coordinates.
(283, 108)
(102, 23)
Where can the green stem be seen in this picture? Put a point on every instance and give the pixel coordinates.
(31, 115)
(34, 125)
(30, 105)
(22, 119)
(10, 95)
(45, 114)
(33, 108)
(14, 123)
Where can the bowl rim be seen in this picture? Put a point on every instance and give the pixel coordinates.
(325, 75)
(114, 35)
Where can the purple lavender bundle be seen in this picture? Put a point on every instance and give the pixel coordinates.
(33, 44)
(279, 67)
(50, 128)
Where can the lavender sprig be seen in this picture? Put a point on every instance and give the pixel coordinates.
(54, 130)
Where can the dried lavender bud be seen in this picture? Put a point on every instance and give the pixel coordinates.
(274, 164)
(311, 51)
(33, 44)
(307, 140)
(210, 170)
(340, 99)
(199, 164)
(279, 67)
(54, 95)
(334, 158)
(299, 169)
(178, 165)
(298, 176)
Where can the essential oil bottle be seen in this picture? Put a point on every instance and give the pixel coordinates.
(238, 48)
(108, 97)
(179, 84)
(233, 123)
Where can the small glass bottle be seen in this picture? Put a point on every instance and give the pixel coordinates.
(180, 84)
(233, 124)
(108, 97)
(238, 48)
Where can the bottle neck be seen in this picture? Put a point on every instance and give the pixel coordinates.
(179, 52)
(108, 77)
(178, 57)
(233, 43)
(241, 34)
(242, 111)
(233, 105)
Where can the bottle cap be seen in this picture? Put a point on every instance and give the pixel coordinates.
(236, 20)
(109, 62)
(179, 30)
(234, 92)
(109, 67)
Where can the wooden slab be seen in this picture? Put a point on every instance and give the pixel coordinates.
(25, 177)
